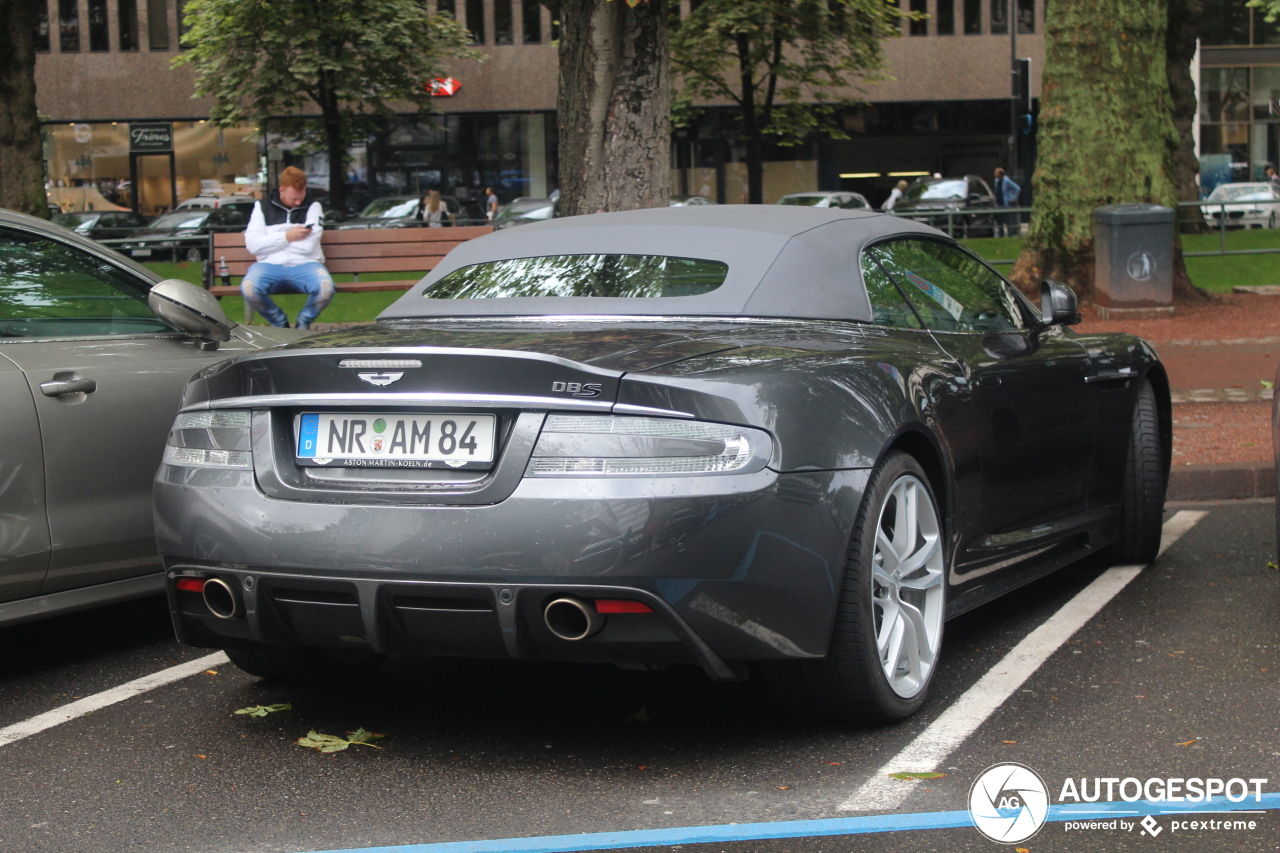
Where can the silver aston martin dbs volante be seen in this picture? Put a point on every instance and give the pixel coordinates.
(778, 439)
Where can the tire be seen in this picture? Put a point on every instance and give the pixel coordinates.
(1142, 499)
(305, 665)
(862, 678)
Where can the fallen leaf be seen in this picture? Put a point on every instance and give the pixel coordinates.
(332, 743)
(210, 672)
(911, 777)
(644, 767)
(1021, 850)
(834, 763)
(1271, 564)
(1010, 742)
(1188, 743)
(1266, 383)
(198, 755)
(783, 787)
(263, 710)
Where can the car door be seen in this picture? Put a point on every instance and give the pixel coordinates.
(24, 527)
(104, 376)
(1035, 410)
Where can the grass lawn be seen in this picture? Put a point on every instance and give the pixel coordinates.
(345, 307)
(1212, 273)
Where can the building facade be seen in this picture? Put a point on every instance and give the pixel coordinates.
(105, 83)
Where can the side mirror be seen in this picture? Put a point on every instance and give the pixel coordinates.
(1058, 305)
(194, 310)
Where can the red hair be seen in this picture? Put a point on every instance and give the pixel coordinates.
(294, 178)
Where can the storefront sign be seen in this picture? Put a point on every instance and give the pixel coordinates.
(444, 87)
(152, 137)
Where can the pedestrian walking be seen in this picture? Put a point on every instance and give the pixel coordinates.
(284, 235)
(1007, 195)
(490, 203)
(894, 196)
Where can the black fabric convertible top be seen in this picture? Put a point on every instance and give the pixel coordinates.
(783, 261)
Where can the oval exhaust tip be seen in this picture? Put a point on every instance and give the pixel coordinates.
(572, 619)
(221, 599)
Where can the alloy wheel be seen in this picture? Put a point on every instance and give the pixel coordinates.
(907, 586)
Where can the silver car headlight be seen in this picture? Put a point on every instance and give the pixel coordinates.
(218, 439)
(608, 445)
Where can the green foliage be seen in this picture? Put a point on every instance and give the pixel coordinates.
(348, 59)
(1270, 9)
(788, 65)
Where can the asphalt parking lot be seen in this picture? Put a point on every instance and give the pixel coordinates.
(1176, 676)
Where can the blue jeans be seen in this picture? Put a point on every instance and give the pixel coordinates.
(262, 281)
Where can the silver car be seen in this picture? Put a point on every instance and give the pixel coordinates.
(91, 378)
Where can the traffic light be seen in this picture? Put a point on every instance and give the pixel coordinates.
(1022, 85)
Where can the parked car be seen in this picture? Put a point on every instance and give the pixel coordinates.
(1254, 205)
(951, 204)
(103, 225)
(522, 211)
(216, 202)
(715, 436)
(841, 199)
(689, 201)
(91, 379)
(171, 236)
(404, 211)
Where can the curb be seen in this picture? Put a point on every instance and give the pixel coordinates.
(1225, 481)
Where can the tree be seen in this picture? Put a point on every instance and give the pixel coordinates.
(1107, 135)
(614, 106)
(1186, 21)
(349, 59)
(787, 65)
(21, 150)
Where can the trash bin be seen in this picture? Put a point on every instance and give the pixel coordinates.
(1133, 278)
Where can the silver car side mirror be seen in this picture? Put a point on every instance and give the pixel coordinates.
(191, 309)
(1058, 305)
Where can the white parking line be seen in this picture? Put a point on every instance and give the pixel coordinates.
(98, 701)
(962, 718)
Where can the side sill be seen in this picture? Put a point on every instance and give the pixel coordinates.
(69, 601)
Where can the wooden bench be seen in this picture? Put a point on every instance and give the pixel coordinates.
(356, 251)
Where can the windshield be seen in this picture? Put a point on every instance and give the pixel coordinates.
(538, 208)
(803, 200)
(182, 219)
(1239, 192)
(938, 190)
(390, 208)
(582, 275)
(76, 221)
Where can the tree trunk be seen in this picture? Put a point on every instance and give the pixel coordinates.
(1106, 132)
(21, 150)
(336, 141)
(1186, 20)
(614, 106)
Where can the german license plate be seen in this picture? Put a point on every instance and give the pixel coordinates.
(141, 253)
(392, 440)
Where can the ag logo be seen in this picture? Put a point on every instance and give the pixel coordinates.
(1008, 803)
(577, 389)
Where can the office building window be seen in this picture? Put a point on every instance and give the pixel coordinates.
(157, 25)
(182, 23)
(69, 26)
(1026, 17)
(128, 24)
(475, 20)
(973, 17)
(99, 38)
(919, 26)
(40, 37)
(446, 7)
(504, 23)
(999, 17)
(532, 10)
(946, 17)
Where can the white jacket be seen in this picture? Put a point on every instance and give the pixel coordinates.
(269, 245)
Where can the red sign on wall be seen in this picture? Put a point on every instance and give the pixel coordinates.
(444, 87)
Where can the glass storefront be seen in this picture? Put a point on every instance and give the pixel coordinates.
(91, 166)
(1239, 124)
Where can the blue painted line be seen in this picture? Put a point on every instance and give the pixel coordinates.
(803, 828)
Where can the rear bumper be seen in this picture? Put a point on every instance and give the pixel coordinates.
(735, 568)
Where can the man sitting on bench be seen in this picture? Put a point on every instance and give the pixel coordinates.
(284, 235)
